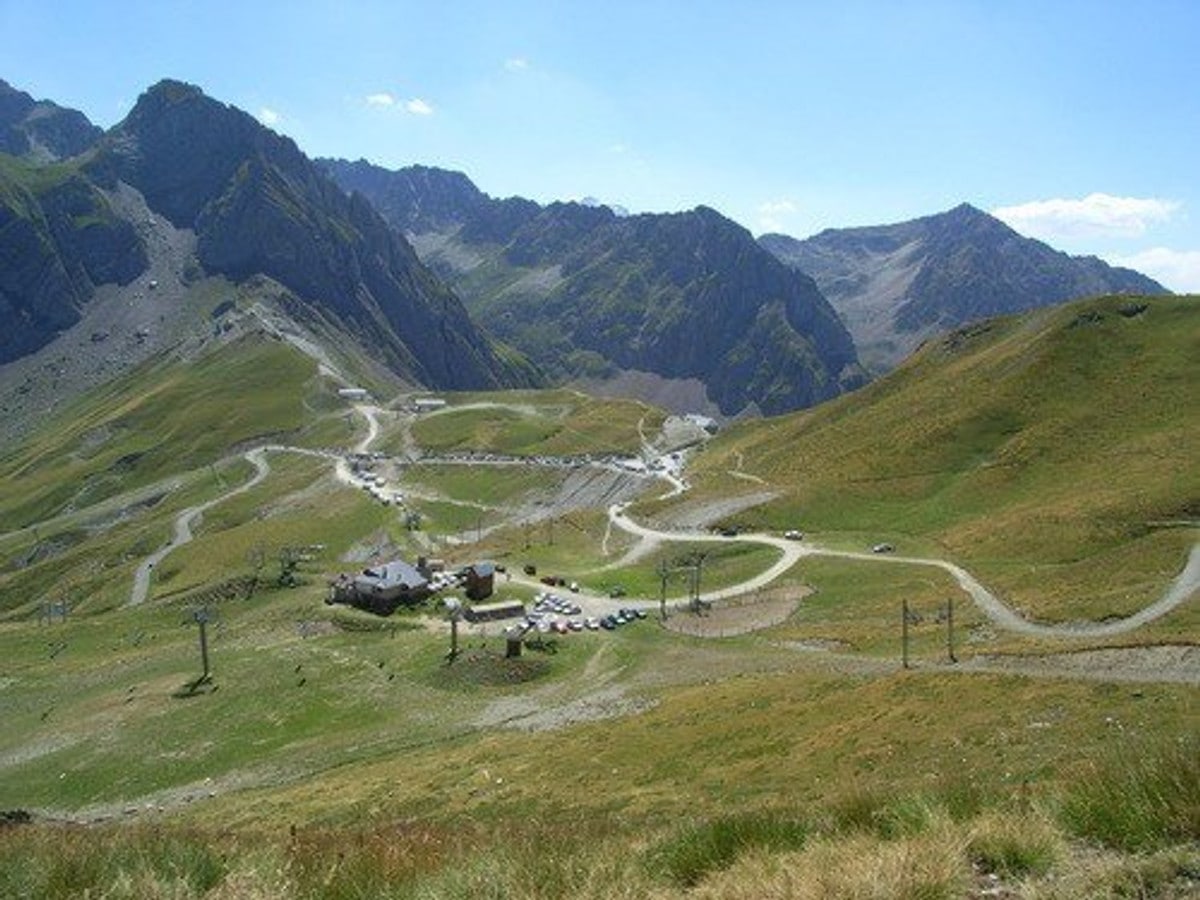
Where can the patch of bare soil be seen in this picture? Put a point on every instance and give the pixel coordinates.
(1173, 663)
(677, 395)
(700, 514)
(731, 618)
(525, 713)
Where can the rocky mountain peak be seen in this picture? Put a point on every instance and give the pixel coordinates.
(41, 130)
(585, 292)
(258, 207)
(181, 147)
(895, 285)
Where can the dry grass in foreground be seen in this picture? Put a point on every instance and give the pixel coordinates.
(1129, 830)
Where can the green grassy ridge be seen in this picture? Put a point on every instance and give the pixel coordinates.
(164, 418)
(718, 745)
(93, 566)
(1050, 439)
(532, 423)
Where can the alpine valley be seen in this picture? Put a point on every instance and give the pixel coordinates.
(364, 535)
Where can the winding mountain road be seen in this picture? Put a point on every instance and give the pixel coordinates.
(189, 517)
(1184, 586)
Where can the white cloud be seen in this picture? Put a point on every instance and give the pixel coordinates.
(772, 213)
(383, 98)
(418, 107)
(1096, 215)
(1178, 270)
(516, 64)
(268, 117)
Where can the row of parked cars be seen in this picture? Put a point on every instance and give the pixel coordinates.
(561, 615)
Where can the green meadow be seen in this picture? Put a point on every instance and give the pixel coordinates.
(334, 753)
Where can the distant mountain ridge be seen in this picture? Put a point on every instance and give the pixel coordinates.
(40, 129)
(586, 292)
(257, 207)
(895, 285)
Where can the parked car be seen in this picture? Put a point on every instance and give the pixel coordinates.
(882, 548)
(793, 535)
(530, 569)
(616, 591)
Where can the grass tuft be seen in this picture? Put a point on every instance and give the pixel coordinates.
(68, 862)
(1139, 801)
(688, 856)
(1014, 846)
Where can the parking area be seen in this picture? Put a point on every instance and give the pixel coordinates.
(556, 614)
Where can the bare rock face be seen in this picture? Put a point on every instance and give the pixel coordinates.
(62, 238)
(41, 130)
(259, 206)
(588, 293)
(896, 285)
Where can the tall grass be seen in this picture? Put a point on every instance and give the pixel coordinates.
(70, 862)
(1139, 798)
(698, 849)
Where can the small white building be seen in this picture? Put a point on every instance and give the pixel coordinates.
(428, 404)
(352, 393)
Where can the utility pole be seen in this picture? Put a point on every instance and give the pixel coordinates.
(454, 611)
(904, 632)
(697, 567)
(950, 629)
(663, 571)
(201, 617)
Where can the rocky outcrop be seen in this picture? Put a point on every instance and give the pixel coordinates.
(59, 239)
(259, 206)
(40, 129)
(895, 285)
(585, 292)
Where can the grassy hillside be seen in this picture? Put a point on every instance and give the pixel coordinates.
(531, 423)
(1050, 453)
(337, 754)
(744, 762)
(96, 488)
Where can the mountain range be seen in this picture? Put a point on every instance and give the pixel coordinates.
(583, 291)
(189, 216)
(897, 285)
(248, 205)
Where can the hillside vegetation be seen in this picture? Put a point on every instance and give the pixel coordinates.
(102, 479)
(338, 754)
(1051, 454)
(525, 423)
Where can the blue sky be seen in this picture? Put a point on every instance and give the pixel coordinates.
(1076, 122)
